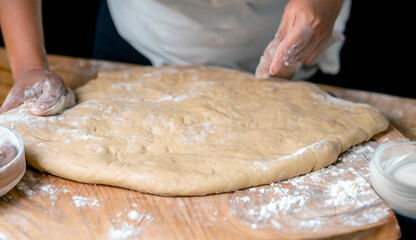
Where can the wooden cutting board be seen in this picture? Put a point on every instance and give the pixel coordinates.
(336, 202)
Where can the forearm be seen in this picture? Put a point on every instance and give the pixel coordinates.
(22, 30)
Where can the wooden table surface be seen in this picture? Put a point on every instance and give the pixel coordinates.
(43, 206)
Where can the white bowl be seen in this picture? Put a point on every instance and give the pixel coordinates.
(393, 176)
(12, 172)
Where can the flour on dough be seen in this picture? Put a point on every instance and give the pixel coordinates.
(192, 130)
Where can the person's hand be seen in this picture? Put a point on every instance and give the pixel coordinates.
(305, 31)
(45, 87)
(7, 153)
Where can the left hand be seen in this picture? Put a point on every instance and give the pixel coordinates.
(305, 31)
(45, 87)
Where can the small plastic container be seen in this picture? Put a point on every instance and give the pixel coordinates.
(393, 176)
(12, 172)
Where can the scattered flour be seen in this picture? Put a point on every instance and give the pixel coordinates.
(34, 185)
(80, 201)
(127, 224)
(133, 215)
(3, 236)
(126, 231)
(337, 195)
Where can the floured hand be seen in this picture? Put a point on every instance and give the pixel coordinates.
(305, 31)
(7, 153)
(45, 87)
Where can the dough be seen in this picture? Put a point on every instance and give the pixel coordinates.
(192, 130)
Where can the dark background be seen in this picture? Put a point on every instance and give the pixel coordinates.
(69, 28)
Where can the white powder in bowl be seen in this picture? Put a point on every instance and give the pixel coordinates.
(9, 145)
(6, 135)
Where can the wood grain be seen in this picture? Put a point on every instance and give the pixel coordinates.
(400, 111)
(43, 206)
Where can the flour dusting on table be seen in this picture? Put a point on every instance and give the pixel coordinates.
(127, 224)
(81, 201)
(337, 195)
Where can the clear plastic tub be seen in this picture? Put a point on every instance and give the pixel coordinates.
(393, 176)
(12, 170)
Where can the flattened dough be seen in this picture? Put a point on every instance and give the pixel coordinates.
(192, 130)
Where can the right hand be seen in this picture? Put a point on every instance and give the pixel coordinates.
(305, 31)
(47, 88)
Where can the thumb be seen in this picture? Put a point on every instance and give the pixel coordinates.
(51, 98)
(263, 68)
(65, 101)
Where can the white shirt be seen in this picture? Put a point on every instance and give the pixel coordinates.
(228, 33)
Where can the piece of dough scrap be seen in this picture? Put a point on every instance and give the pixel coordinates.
(192, 130)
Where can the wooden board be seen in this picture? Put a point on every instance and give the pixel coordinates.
(400, 111)
(336, 202)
